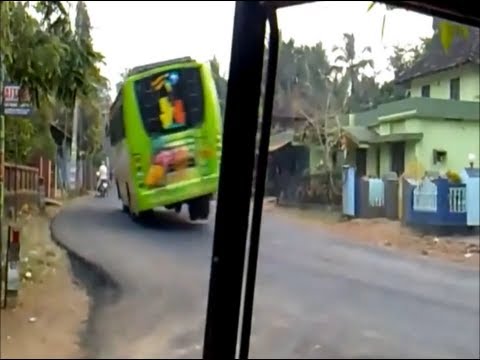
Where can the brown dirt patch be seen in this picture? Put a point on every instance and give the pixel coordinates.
(51, 309)
(391, 234)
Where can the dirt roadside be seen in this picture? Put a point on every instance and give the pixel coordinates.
(52, 308)
(389, 234)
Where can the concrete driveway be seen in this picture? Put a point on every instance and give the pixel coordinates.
(317, 296)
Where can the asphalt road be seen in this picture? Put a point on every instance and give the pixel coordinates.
(317, 296)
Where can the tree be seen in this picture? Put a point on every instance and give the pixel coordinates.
(319, 95)
(220, 83)
(91, 102)
(31, 58)
(349, 65)
(367, 94)
(34, 48)
(51, 60)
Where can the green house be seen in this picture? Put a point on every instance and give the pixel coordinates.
(436, 127)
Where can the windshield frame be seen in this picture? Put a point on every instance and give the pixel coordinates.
(228, 256)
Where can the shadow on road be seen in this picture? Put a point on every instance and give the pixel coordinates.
(165, 220)
(170, 221)
(103, 292)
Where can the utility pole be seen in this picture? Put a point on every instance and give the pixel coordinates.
(2, 151)
(74, 151)
(76, 113)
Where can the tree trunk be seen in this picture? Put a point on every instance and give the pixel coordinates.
(74, 155)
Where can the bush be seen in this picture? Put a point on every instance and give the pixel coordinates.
(453, 177)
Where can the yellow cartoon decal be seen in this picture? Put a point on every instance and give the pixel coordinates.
(166, 112)
(171, 110)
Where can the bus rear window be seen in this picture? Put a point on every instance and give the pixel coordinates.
(170, 101)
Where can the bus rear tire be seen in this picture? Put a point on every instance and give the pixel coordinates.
(199, 208)
(143, 216)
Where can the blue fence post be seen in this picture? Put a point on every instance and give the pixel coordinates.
(349, 190)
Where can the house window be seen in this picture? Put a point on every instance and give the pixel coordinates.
(455, 89)
(426, 91)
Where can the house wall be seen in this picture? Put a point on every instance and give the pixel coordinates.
(385, 160)
(394, 127)
(440, 83)
(383, 128)
(372, 161)
(411, 157)
(438, 134)
(385, 156)
(458, 138)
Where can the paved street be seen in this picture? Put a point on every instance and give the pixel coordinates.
(317, 296)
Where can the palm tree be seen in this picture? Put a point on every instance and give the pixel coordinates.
(348, 63)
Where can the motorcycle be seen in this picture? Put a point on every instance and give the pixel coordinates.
(102, 190)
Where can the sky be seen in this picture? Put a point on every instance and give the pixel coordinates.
(135, 33)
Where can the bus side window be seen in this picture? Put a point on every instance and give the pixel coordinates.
(117, 131)
(112, 129)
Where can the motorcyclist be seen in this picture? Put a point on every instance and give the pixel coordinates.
(102, 175)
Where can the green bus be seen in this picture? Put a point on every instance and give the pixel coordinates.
(165, 135)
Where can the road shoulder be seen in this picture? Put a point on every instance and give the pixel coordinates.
(386, 234)
(52, 308)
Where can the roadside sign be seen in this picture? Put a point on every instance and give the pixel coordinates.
(16, 101)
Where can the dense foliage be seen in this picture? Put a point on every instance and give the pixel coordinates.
(56, 61)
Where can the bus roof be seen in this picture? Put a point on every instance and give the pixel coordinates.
(143, 68)
(146, 67)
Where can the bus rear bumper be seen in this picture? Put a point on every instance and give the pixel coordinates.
(175, 193)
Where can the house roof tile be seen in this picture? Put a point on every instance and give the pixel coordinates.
(462, 51)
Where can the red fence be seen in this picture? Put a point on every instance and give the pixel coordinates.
(21, 187)
(20, 179)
